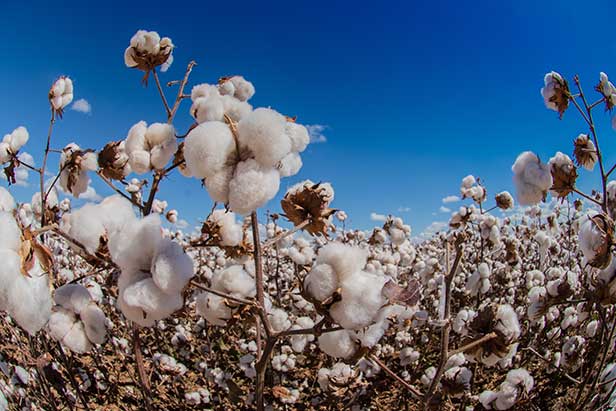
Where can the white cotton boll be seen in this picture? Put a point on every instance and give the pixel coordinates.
(226, 88)
(161, 140)
(206, 109)
(279, 320)
(590, 237)
(74, 297)
(60, 323)
(321, 282)
(252, 186)
(217, 185)
(7, 202)
(136, 142)
(338, 344)
(213, 308)
(139, 161)
(76, 339)
(508, 322)
(344, 259)
(19, 137)
(298, 135)
(94, 323)
(531, 177)
(299, 342)
(263, 133)
(244, 89)
(231, 232)
(591, 328)
(86, 227)
(234, 280)
(5, 152)
(361, 300)
(290, 165)
(172, 268)
(370, 336)
(10, 234)
(468, 181)
(520, 376)
(129, 59)
(155, 303)
(208, 148)
(235, 109)
(134, 247)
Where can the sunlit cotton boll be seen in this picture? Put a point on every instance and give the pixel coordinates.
(252, 186)
(208, 149)
(339, 344)
(532, 178)
(61, 93)
(150, 147)
(263, 133)
(13, 142)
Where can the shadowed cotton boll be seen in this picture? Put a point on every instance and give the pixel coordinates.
(74, 165)
(338, 344)
(531, 177)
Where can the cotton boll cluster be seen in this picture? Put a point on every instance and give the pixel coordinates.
(150, 147)
(555, 92)
(74, 166)
(24, 283)
(398, 231)
(517, 382)
(12, 143)
(211, 103)
(147, 51)
(155, 271)
(93, 225)
(479, 281)
(234, 281)
(301, 252)
(463, 216)
(76, 321)
(61, 94)
(532, 178)
(607, 89)
(471, 188)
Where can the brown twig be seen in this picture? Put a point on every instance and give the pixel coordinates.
(414, 391)
(285, 234)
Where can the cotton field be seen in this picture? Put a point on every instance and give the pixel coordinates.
(104, 307)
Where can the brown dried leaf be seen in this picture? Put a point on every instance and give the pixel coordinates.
(408, 296)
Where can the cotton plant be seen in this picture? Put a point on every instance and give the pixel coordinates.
(76, 320)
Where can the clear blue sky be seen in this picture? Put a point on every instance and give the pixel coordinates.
(415, 95)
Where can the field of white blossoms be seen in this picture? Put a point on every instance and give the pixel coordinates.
(103, 308)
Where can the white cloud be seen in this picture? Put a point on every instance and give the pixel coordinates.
(404, 209)
(82, 106)
(90, 195)
(21, 172)
(181, 224)
(432, 229)
(378, 217)
(315, 131)
(451, 199)
(444, 209)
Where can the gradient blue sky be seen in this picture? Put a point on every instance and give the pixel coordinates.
(414, 95)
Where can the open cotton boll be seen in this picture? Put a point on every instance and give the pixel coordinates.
(338, 344)
(74, 165)
(7, 202)
(243, 89)
(344, 259)
(290, 165)
(74, 297)
(531, 177)
(94, 320)
(279, 320)
(321, 282)
(76, 339)
(263, 133)
(172, 268)
(134, 247)
(150, 147)
(29, 299)
(362, 298)
(86, 227)
(299, 342)
(298, 135)
(213, 308)
(153, 302)
(10, 234)
(252, 186)
(208, 149)
(217, 185)
(60, 322)
(18, 138)
(234, 280)
(230, 231)
(61, 93)
(235, 109)
(591, 238)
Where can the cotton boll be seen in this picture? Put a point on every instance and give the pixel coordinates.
(19, 137)
(244, 89)
(86, 227)
(279, 320)
(7, 203)
(60, 323)
(76, 339)
(290, 165)
(213, 308)
(531, 177)
(74, 297)
(154, 303)
(252, 186)
(344, 259)
(299, 342)
(226, 88)
(298, 135)
(5, 152)
(9, 273)
(361, 300)
(172, 268)
(10, 234)
(235, 109)
(217, 185)
(94, 323)
(263, 133)
(339, 344)
(231, 232)
(208, 149)
(235, 281)
(321, 282)
(135, 246)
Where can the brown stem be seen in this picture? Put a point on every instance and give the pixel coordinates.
(161, 92)
(117, 190)
(143, 378)
(473, 344)
(42, 173)
(586, 196)
(414, 391)
(180, 95)
(221, 294)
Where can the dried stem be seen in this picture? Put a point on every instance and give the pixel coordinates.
(473, 344)
(143, 378)
(180, 95)
(221, 294)
(117, 190)
(161, 92)
(285, 234)
(42, 171)
(414, 391)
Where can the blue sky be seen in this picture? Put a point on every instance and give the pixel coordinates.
(413, 95)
